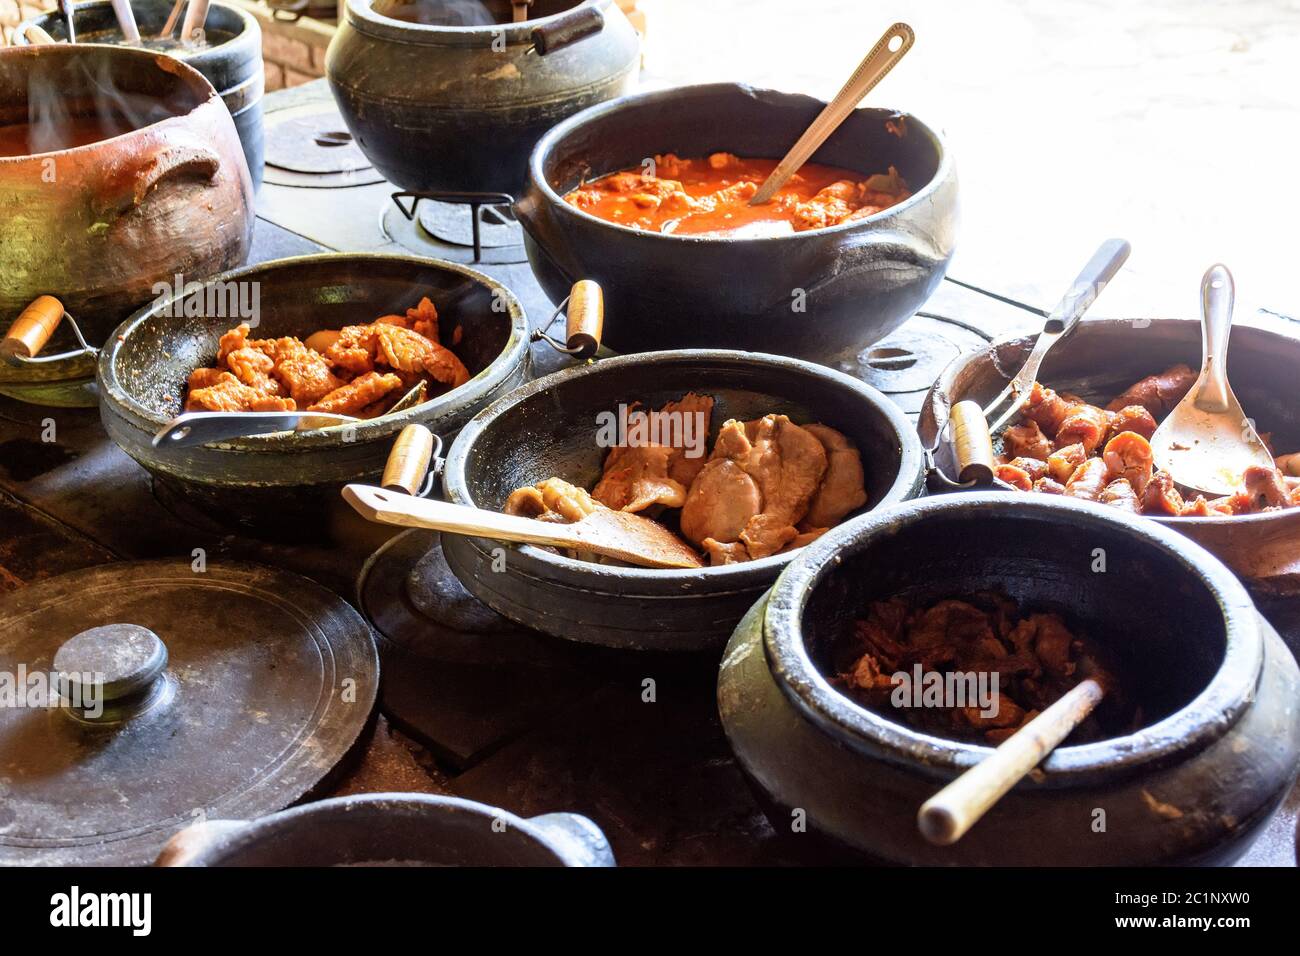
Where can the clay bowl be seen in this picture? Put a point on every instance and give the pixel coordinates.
(861, 280)
(272, 481)
(392, 829)
(1195, 785)
(164, 191)
(549, 427)
(1103, 357)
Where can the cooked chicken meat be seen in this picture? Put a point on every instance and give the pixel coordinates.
(360, 370)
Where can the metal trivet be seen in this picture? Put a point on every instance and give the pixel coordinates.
(468, 227)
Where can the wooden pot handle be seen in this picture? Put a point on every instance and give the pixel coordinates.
(408, 462)
(568, 28)
(585, 319)
(32, 329)
(972, 444)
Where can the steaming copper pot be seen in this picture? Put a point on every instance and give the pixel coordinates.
(119, 169)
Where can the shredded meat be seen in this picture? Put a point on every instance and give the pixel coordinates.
(1036, 658)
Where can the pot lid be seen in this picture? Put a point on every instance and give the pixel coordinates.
(137, 698)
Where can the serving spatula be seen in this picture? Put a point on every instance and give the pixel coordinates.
(884, 56)
(615, 534)
(1206, 443)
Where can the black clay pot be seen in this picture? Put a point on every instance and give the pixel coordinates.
(232, 61)
(274, 480)
(1218, 751)
(813, 294)
(484, 93)
(550, 426)
(392, 829)
(1102, 357)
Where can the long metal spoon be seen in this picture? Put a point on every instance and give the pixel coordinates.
(882, 58)
(1206, 443)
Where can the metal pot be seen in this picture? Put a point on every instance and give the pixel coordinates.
(170, 196)
(549, 427)
(394, 829)
(1103, 357)
(813, 294)
(269, 480)
(1195, 785)
(232, 62)
(484, 93)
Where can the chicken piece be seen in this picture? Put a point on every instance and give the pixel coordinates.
(424, 320)
(785, 461)
(232, 341)
(722, 501)
(767, 534)
(354, 349)
(525, 502)
(1062, 463)
(351, 398)
(636, 477)
(1129, 455)
(685, 422)
(720, 553)
(1026, 441)
(1158, 394)
(1265, 488)
(1088, 480)
(303, 372)
(229, 394)
(1119, 493)
(842, 490)
(1162, 496)
(205, 378)
(253, 367)
(1086, 424)
(1132, 418)
(408, 351)
(672, 165)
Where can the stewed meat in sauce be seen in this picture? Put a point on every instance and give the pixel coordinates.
(1066, 446)
(710, 196)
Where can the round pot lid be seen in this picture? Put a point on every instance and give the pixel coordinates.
(138, 698)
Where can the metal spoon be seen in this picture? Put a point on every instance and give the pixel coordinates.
(870, 71)
(1206, 443)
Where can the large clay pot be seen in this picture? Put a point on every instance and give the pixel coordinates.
(163, 189)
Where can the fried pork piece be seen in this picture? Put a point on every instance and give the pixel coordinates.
(1162, 496)
(1265, 488)
(843, 489)
(1047, 409)
(636, 477)
(721, 503)
(352, 398)
(406, 350)
(228, 394)
(1026, 441)
(1132, 418)
(1085, 424)
(304, 373)
(1119, 493)
(1129, 456)
(254, 368)
(1158, 394)
(1062, 463)
(1088, 480)
(1037, 659)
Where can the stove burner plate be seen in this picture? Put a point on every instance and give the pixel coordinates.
(443, 230)
(310, 147)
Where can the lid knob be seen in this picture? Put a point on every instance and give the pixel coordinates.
(110, 664)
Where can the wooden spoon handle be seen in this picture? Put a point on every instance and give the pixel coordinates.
(870, 71)
(1217, 295)
(584, 319)
(33, 328)
(408, 462)
(396, 508)
(945, 817)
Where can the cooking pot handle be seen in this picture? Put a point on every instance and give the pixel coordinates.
(583, 323)
(180, 159)
(186, 846)
(32, 330)
(408, 467)
(567, 29)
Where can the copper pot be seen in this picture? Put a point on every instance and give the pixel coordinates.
(119, 170)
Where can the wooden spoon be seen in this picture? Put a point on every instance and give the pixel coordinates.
(1206, 443)
(615, 534)
(945, 817)
(889, 49)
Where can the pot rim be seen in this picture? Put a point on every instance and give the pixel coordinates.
(114, 392)
(944, 382)
(221, 845)
(362, 16)
(167, 64)
(1196, 724)
(737, 576)
(250, 31)
(591, 114)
